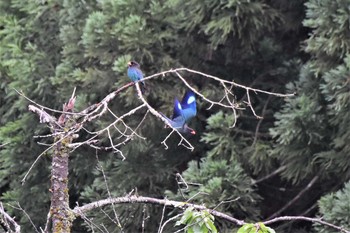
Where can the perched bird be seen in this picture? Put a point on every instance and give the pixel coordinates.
(136, 75)
(183, 112)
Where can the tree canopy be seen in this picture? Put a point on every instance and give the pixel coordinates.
(299, 149)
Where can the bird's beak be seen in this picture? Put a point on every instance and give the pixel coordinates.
(193, 132)
(129, 63)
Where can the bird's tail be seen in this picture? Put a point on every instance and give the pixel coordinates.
(143, 87)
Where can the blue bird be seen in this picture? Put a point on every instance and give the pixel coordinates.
(183, 112)
(136, 75)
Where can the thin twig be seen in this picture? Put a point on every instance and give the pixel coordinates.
(261, 119)
(161, 220)
(272, 174)
(302, 218)
(144, 218)
(39, 156)
(43, 107)
(3, 145)
(308, 186)
(19, 207)
(100, 168)
(161, 228)
(48, 218)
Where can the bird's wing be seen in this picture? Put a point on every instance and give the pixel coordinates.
(139, 74)
(188, 105)
(189, 100)
(135, 74)
(177, 109)
(178, 123)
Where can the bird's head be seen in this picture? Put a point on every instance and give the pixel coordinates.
(133, 64)
(189, 130)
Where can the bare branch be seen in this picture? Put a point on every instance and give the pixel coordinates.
(81, 210)
(309, 185)
(48, 218)
(3, 145)
(161, 219)
(6, 219)
(39, 156)
(68, 134)
(90, 223)
(100, 168)
(249, 103)
(144, 218)
(78, 211)
(161, 227)
(97, 110)
(114, 146)
(166, 138)
(225, 81)
(277, 171)
(302, 218)
(19, 207)
(41, 106)
(44, 116)
(199, 94)
(260, 120)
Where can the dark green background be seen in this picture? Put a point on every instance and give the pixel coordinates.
(49, 47)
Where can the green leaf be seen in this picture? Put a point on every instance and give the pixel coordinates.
(210, 225)
(270, 230)
(246, 228)
(265, 229)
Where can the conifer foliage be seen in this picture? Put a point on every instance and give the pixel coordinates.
(294, 160)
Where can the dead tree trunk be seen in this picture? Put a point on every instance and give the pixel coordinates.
(61, 214)
(59, 186)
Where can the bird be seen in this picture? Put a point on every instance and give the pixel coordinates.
(183, 112)
(136, 75)
(178, 121)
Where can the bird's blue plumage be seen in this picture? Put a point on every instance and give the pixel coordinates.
(135, 74)
(183, 112)
(179, 124)
(188, 105)
(177, 109)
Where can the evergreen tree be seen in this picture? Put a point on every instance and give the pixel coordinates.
(334, 207)
(49, 47)
(311, 130)
(29, 54)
